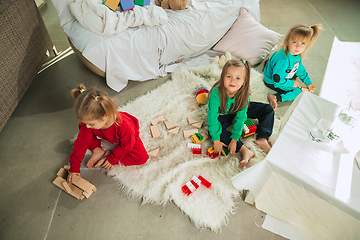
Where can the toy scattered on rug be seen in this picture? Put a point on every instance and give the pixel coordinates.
(194, 184)
(222, 60)
(174, 129)
(155, 132)
(211, 153)
(249, 128)
(80, 187)
(154, 129)
(154, 152)
(172, 4)
(195, 123)
(201, 98)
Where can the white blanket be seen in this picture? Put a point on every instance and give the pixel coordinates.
(140, 53)
(99, 19)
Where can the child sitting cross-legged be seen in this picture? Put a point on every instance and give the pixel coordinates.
(228, 101)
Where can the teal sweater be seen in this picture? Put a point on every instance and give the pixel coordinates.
(215, 127)
(281, 69)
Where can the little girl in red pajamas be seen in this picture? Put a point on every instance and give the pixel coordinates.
(99, 119)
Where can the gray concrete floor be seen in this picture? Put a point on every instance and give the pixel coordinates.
(35, 144)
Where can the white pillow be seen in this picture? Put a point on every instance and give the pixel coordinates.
(248, 39)
(63, 11)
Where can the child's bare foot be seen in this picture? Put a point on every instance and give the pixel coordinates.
(263, 144)
(97, 154)
(246, 155)
(243, 163)
(272, 100)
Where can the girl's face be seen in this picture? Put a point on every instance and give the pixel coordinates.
(234, 79)
(97, 124)
(297, 47)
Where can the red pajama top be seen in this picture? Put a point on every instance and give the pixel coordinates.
(124, 134)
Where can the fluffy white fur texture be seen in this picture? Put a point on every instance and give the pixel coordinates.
(159, 181)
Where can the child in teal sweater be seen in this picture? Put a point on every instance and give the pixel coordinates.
(228, 101)
(285, 65)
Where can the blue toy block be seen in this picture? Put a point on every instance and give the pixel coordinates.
(127, 4)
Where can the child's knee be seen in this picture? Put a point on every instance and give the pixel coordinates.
(269, 109)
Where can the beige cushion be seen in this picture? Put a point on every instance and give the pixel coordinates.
(247, 39)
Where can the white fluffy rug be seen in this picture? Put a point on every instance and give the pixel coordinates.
(159, 181)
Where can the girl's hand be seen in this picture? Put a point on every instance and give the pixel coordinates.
(311, 87)
(232, 147)
(71, 176)
(296, 84)
(218, 148)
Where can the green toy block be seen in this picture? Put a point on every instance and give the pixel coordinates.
(226, 152)
(142, 2)
(200, 137)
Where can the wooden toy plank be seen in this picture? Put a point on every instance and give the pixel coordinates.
(174, 131)
(157, 120)
(75, 192)
(60, 172)
(87, 194)
(191, 121)
(170, 125)
(197, 124)
(66, 186)
(155, 131)
(84, 185)
(195, 106)
(189, 133)
(154, 152)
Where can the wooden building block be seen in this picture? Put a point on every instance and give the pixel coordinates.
(157, 120)
(87, 194)
(189, 133)
(197, 124)
(78, 189)
(154, 152)
(66, 186)
(84, 185)
(155, 131)
(75, 192)
(192, 121)
(170, 125)
(195, 106)
(174, 130)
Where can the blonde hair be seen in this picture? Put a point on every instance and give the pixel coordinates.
(242, 95)
(302, 32)
(93, 104)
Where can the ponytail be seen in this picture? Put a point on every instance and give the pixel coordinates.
(75, 93)
(93, 104)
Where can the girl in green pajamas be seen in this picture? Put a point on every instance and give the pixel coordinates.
(228, 103)
(286, 64)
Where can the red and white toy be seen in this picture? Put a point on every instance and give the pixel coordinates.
(193, 184)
